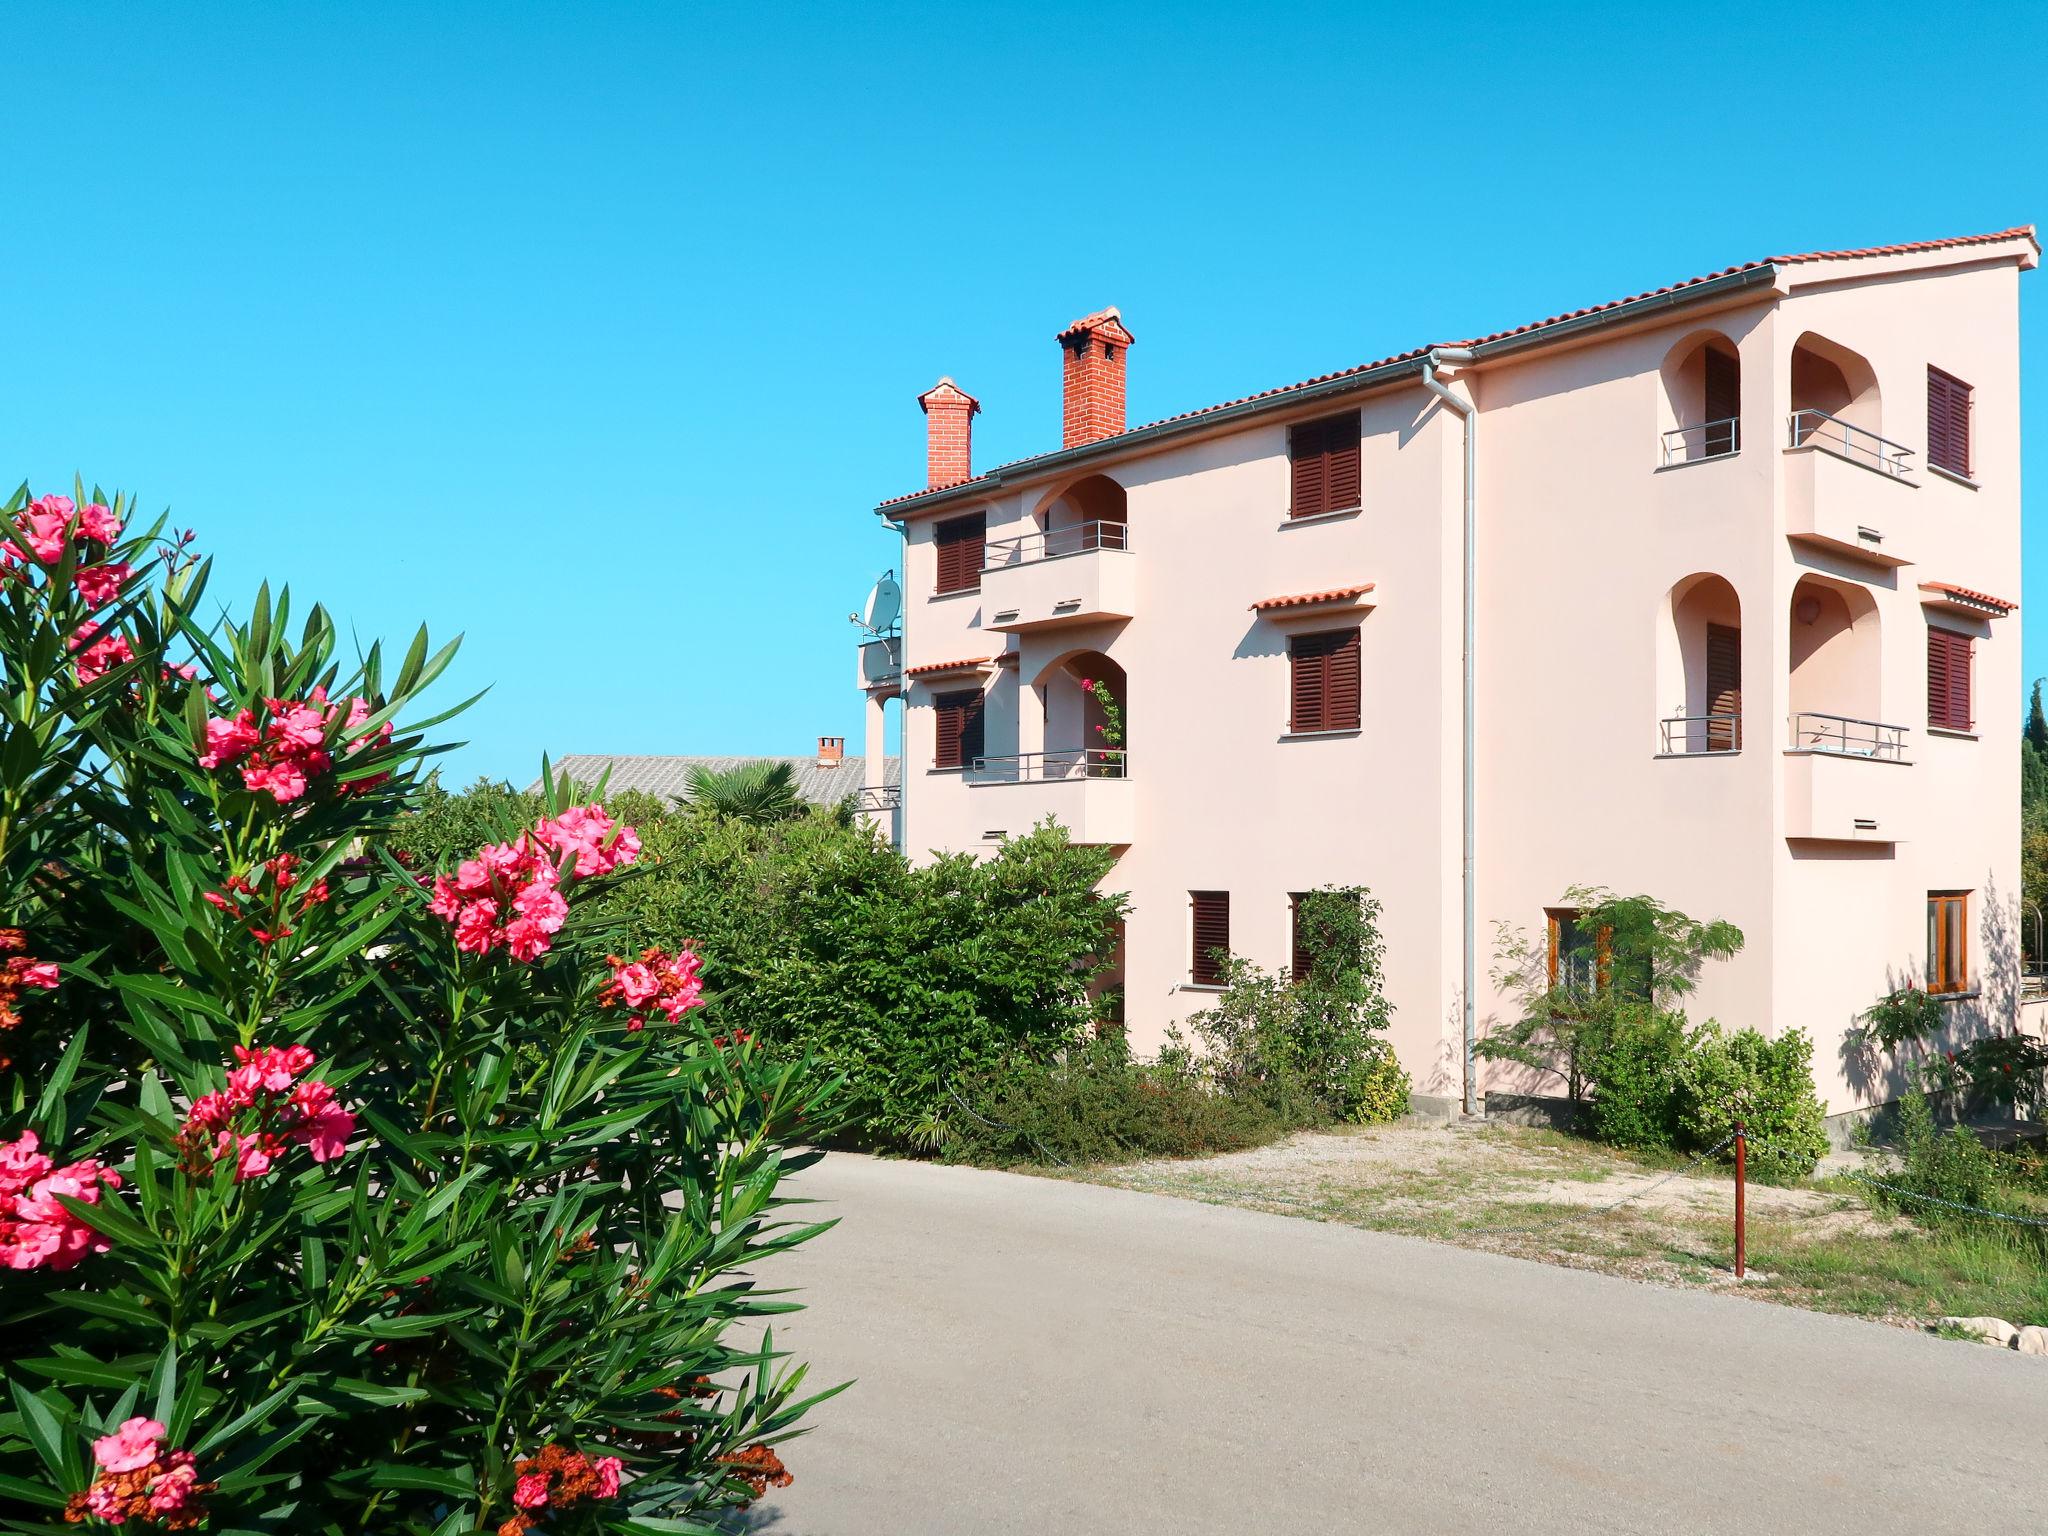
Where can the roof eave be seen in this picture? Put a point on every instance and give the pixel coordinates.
(1761, 275)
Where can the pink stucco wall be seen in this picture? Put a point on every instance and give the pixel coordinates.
(1591, 554)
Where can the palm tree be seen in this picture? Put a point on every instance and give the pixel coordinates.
(757, 793)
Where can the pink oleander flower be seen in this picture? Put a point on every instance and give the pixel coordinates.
(598, 844)
(531, 1491)
(101, 584)
(509, 895)
(658, 982)
(99, 524)
(228, 740)
(265, 1110)
(98, 654)
(287, 749)
(176, 1486)
(130, 1447)
(37, 1230)
(607, 1469)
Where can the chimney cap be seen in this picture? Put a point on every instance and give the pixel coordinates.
(946, 392)
(1107, 323)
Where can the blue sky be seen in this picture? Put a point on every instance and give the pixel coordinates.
(593, 331)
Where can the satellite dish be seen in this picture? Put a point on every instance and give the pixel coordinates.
(884, 605)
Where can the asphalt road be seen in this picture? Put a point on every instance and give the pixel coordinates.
(1041, 1357)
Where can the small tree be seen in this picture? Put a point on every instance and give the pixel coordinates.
(1647, 957)
(757, 793)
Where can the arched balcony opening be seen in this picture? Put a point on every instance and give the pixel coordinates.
(1836, 406)
(1087, 717)
(1836, 680)
(1699, 668)
(1091, 514)
(1702, 379)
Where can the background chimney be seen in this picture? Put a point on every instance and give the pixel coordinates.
(830, 750)
(1093, 349)
(948, 433)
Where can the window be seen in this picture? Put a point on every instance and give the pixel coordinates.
(1948, 941)
(1948, 679)
(957, 736)
(1578, 955)
(1324, 459)
(1948, 422)
(1323, 681)
(1301, 955)
(1721, 401)
(1211, 936)
(959, 543)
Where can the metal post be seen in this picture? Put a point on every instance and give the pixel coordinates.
(1741, 1222)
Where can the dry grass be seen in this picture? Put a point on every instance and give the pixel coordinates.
(1557, 1199)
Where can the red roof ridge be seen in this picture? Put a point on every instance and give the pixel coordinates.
(1304, 599)
(966, 665)
(1981, 599)
(2018, 231)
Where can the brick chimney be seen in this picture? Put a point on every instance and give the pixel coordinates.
(1092, 351)
(831, 749)
(948, 433)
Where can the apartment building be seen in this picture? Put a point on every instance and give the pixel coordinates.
(1706, 593)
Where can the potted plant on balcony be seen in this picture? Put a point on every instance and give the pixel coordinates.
(1109, 764)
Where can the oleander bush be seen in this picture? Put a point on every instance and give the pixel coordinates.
(339, 1193)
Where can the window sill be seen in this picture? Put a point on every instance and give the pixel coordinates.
(930, 771)
(1951, 476)
(1667, 757)
(1952, 733)
(1355, 730)
(1711, 458)
(1201, 986)
(1967, 995)
(1338, 516)
(940, 597)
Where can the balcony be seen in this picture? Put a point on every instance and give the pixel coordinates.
(1087, 792)
(1699, 735)
(1843, 779)
(1076, 575)
(881, 664)
(1708, 440)
(1846, 489)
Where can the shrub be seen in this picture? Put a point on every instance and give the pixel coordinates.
(1635, 1064)
(1766, 1084)
(336, 1199)
(1094, 1104)
(1950, 1165)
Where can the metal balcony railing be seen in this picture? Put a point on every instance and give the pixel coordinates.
(1053, 543)
(1707, 440)
(878, 797)
(1685, 735)
(1844, 736)
(1051, 767)
(1859, 445)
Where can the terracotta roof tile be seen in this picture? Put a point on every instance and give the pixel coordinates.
(1108, 321)
(1305, 599)
(2020, 231)
(931, 668)
(1965, 595)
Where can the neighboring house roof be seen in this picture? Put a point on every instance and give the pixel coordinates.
(1744, 275)
(669, 777)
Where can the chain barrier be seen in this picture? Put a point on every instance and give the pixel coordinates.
(1952, 1205)
(1006, 1130)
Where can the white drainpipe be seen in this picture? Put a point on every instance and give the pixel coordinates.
(1467, 412)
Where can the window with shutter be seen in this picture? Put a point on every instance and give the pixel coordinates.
(1324, 464)
(1948, 422)
(959, 542)
(1724, 688)
(1211, 936)
(1300, 962)
(1323, 682)
(1722, 401)
(1948, 941)
(957, 733)
(1948, 679)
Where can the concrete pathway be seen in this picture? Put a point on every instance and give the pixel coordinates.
(1040, 1357)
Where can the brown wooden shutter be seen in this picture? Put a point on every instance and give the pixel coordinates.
(1323, 685)
(1311, 484)
(1948, 422)
(1948, 679)
(959, 544)
(1722, 400)
(1300, 962)
(1211, 936)
(1724, 686)
(1340, 451)
(957, 736)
